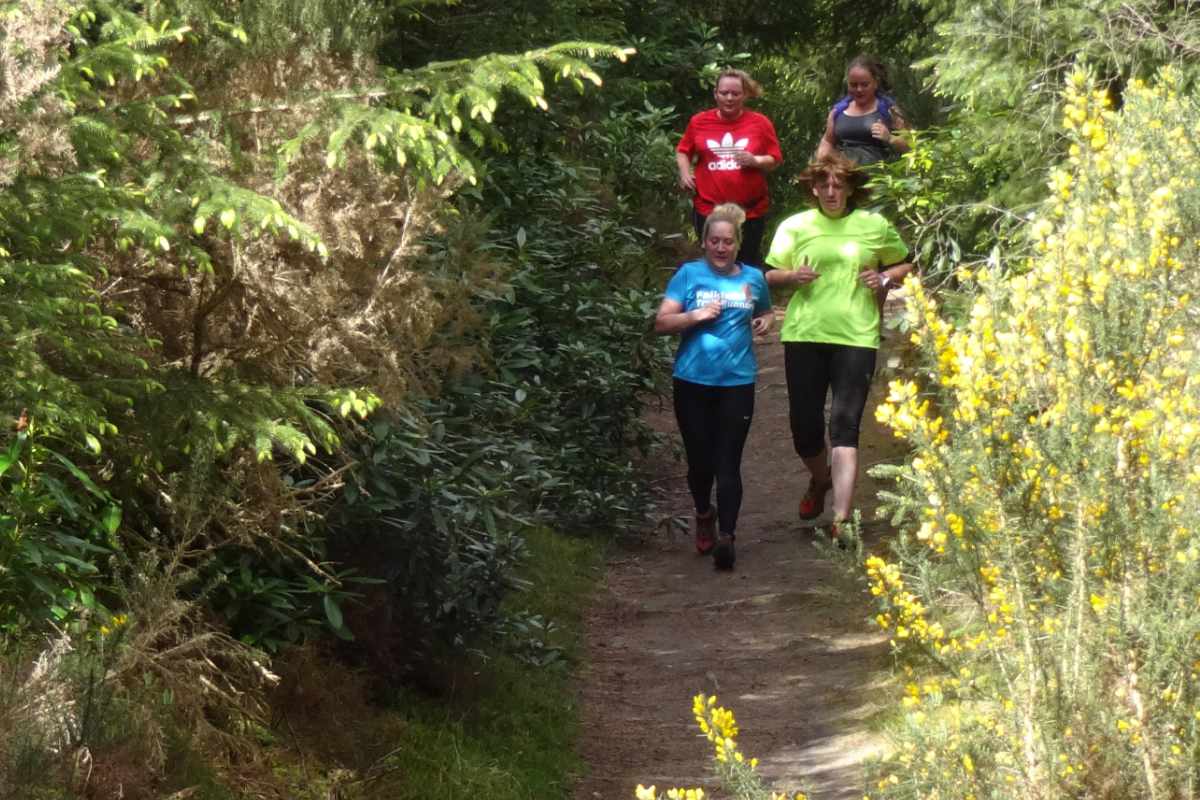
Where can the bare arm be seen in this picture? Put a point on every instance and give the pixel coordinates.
(895, 274)
(828, 143)
(762, 323)
(761, 163)
(901, 145)
(888, 135)
(799, 276)
(671, 318)
(684, 162)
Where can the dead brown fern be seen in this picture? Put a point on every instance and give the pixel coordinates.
(31, 37)
(371, 314)
(91, 704)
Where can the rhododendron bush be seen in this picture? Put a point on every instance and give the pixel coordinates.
(1043, 594)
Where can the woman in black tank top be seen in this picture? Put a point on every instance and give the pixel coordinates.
(862, 125)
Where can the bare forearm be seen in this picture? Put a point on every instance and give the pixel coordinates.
(667, 324)
(684, 162)
(780, 277)
(896, 273)
(765, 163)
(760, 163)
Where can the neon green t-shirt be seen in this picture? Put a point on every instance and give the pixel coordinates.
(836, 308)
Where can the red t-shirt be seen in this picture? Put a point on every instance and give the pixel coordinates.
(719, 179)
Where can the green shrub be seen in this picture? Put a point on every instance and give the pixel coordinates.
(544, 430)
(57, 531)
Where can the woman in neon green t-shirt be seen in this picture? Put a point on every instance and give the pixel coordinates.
(840, 260)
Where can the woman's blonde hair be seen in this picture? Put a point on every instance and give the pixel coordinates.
(726, 212)
(751, 87)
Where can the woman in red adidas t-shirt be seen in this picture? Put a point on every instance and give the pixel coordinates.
(733, 149)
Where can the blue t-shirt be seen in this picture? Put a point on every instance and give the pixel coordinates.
(719, 352)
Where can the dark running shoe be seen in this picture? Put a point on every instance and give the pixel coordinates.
(813, 502)
(724, 554)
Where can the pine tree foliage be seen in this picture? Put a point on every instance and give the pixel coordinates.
(159, 197)
(207, 263)
(1001, 64)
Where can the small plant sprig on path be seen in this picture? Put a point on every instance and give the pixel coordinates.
(1041, 594)
(736, 773)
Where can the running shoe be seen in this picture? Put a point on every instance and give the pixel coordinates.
(724, 554)
(706, 531)
(813, 502)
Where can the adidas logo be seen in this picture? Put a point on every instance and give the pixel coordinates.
(725, 150)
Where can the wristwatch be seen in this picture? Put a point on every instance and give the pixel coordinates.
(885, 281)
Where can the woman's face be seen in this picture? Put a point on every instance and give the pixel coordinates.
(720, 244)
(730, 96)
(832, 193)
(861, 84)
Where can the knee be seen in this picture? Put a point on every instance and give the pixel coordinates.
(843, 429)
(729, 480)
(809, 440)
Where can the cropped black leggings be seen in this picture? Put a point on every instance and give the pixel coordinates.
(812, 370)
(714, 422)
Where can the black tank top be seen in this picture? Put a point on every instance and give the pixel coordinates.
(854, 139)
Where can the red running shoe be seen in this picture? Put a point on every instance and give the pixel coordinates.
(706, 531)
(813, 502)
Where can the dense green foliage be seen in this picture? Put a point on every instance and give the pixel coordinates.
(316, 309)
(258, 326)
(996, 70)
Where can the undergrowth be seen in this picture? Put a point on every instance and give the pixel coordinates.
(505, 727)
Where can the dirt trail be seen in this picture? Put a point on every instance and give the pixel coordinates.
(784, 640)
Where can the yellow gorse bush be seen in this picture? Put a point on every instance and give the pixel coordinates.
(737, 773)
(1045, 588)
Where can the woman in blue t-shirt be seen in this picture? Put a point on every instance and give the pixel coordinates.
(718, 305)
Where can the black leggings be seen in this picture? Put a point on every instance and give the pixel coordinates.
(812, 369)
(750, 251)
(714, 422)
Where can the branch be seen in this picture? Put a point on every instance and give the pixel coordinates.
(1147, 27)
(277, 108)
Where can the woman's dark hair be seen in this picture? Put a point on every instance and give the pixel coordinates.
(842, 168)
(874, 66)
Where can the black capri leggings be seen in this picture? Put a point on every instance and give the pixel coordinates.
(714, 422)
(812, 369)
(750, 251)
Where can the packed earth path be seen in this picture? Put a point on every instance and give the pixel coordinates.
(785, 640)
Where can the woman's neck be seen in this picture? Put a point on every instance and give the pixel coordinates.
(730, 269)
(866, 107)
(730, 118)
